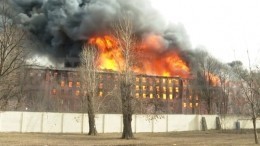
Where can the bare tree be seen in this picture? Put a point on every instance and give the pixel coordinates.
(250, 89)
(89, 83)
(123, 33)
(13, 53)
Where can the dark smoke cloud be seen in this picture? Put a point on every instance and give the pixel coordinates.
(63, 25)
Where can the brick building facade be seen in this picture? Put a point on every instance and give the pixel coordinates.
(50, 89)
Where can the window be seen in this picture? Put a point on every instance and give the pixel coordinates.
(151, 95)
(150, 80)
(77, 84)
(158, 95)
(170, 96)
(144, 88)
(101, 86)
(137, 95)
(144, 95)
(62, 92)
(164, 96)
(184, 104)
(177, 89)
(62, 83)
(55, 74)
(137, 88)
(190, 104)
(151, 88)
(163, 80)
(157, 88)
(157, 80)
(176, 82)
(197, 104)
(197, 97)
(70, 84)
(164, 89)
(137, 79)
(70, 92)
(169, 81)
(54, 91)
(77, 92)
(144, 79)
(170, 89)
(100, 94)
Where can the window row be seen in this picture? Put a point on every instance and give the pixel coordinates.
(70, 84)
(54, 91)
(157, 88)
(190, 104)
(157, 80)
(151, 96)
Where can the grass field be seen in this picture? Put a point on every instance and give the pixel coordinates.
(199, 138)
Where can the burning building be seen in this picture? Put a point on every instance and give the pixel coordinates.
(161, 82)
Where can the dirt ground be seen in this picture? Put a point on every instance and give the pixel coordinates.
(199, 138)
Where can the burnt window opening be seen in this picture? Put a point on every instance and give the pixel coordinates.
(77, 92)
(143, 79)
(62, 83)
(184, 105)
(78, 84)
(70, 84)
(54, 91)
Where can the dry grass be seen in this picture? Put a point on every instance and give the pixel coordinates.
(198, 138)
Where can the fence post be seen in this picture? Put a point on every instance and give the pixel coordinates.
(152, 125)
(167, 122)
(103, 120)
(121, 123)
(62, 118)
(218, 124)
(42, 122)
(204, 124)
(82, 123)
(21, 122)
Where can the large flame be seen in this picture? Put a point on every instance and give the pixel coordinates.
(213, 79)
(152, 56)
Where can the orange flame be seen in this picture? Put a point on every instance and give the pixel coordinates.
(155, 58)
(214, 80)
(110, 55)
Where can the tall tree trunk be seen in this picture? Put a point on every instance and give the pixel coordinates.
(255, 130)
(127, 130)
(91, 117)
(127, 111)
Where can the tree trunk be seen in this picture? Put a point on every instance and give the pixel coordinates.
(127, 129)
(127, 111)
(91, 117)
(255, 130)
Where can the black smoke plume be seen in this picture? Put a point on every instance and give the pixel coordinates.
(63, 25)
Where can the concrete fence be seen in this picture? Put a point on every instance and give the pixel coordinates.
(107, 123)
